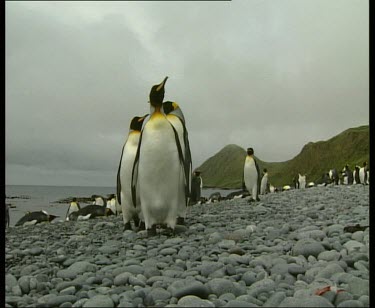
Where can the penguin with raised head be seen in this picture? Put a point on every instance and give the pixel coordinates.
(175, 116)
(158, 165)
(251, 175)
(73, 207)
(124, 175)
(32, 218)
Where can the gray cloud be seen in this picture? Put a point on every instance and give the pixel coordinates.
(270, 74)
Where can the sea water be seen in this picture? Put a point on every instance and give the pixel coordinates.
(31, 198)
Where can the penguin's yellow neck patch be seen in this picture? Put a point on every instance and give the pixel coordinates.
(157, 113)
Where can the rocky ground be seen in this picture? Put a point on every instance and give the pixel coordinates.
(283, 251)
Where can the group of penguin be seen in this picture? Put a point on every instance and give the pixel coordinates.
(154, 173)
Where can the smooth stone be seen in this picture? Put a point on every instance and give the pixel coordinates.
(208, 267)
(60, 299)
(249, 278)
(168, 251)
(352, 246)
(331, 255)
(351, 303)
(237, 303)
(308, 301)
(275, 299)
(358, 286)
(75, 269)
(24, 283)
(329, 270)
(122, 279)
(307, 247)
(99, 301)
(220, 286)
(160, 294)
(194, 301)
(185, 287)
(295, 269)
(264, 285)
(226, 244)
(68, 291)
(10, 281)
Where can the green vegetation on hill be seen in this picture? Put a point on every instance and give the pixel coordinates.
(352, 147)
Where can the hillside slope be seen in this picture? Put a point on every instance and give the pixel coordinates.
(352, 147)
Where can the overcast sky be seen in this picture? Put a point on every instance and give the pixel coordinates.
(269, 74)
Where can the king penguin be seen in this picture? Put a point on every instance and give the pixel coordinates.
(32, 218)
(73, 207)
(175, 116)
(264, 182)
(157, 167)
(252, 175)
(124, 174)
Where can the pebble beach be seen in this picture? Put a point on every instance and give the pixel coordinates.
(287, 250)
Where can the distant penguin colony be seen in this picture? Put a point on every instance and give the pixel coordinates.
(251, 175)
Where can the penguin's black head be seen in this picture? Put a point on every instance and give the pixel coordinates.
(250, 151)
(169, 106)
(137, 122)
(74, 199)
(51, 217)
(157, 93)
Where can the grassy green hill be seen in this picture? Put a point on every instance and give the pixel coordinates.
(352, 147)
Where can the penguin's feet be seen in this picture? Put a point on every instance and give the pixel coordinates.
(180, 221)
(127, 226)
(251, 200)
(151, 231)
(170, 232)
(142, 225)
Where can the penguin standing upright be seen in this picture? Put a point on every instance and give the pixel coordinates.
(124, 174)
(301, 181)
(158, 166)
(264, 182)
(252, 175)
(175, 116)
(111, 203)
(363, 174)
(73, 207)
(356, 179)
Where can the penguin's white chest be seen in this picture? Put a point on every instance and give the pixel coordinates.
(159, 173)
(250, 173)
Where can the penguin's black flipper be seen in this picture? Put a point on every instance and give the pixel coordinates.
(135, 172)
(118, 186)
(259, 179)
(182, 161)
(187, 162)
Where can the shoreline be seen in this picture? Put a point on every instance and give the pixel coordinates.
(279, 251)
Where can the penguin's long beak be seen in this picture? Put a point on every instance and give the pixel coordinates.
(161, 85)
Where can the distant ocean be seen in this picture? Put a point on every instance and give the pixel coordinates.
(37, 198)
